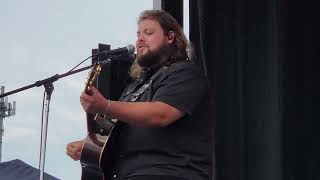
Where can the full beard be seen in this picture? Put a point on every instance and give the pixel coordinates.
(153, 58)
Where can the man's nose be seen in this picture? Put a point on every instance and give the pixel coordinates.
(140, 38)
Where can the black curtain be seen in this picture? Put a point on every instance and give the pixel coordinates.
(175, 8)
(262, 61)
(301, 112)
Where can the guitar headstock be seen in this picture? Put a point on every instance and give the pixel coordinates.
(93, 74)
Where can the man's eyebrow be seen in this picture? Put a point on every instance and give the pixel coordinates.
(146, 29)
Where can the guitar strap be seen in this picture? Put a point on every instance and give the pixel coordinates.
(145, 86)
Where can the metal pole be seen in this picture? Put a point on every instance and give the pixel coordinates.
(157, 4)
(2, 115)
(1, 134)
(6, 110)
(48, 90)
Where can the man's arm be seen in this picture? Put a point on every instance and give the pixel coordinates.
(146, 114)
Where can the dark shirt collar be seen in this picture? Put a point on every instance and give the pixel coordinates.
(146, 73)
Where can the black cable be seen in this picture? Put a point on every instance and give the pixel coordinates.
(81, 63)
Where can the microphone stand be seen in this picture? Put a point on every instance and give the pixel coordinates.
(48, 85)
(44, 126)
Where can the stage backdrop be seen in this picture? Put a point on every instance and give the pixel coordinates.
(262, 59)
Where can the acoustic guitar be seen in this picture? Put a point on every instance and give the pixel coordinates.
(94, 150)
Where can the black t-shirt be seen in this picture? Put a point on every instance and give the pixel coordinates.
(183, 148)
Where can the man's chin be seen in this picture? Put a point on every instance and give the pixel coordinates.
(149, 59)
(140, 55)
(143, 51)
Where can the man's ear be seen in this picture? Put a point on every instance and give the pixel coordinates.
(171, 36)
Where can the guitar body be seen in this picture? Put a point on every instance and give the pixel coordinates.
(91, 157)
(96, 150)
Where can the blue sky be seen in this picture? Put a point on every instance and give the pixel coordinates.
(39, 39)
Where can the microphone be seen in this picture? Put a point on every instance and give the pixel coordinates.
(128, 50)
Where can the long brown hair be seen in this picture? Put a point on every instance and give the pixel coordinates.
(180, 48)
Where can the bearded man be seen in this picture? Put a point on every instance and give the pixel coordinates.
(163, 128)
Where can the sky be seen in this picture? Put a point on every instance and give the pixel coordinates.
(39, 39)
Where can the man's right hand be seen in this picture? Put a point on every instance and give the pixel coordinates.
(74, 149)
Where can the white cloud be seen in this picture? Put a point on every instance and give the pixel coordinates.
(75, 84)
(17, 133)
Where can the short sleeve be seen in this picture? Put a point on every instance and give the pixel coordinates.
(182, 87)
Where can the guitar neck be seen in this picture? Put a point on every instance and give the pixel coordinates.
(91, 124)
